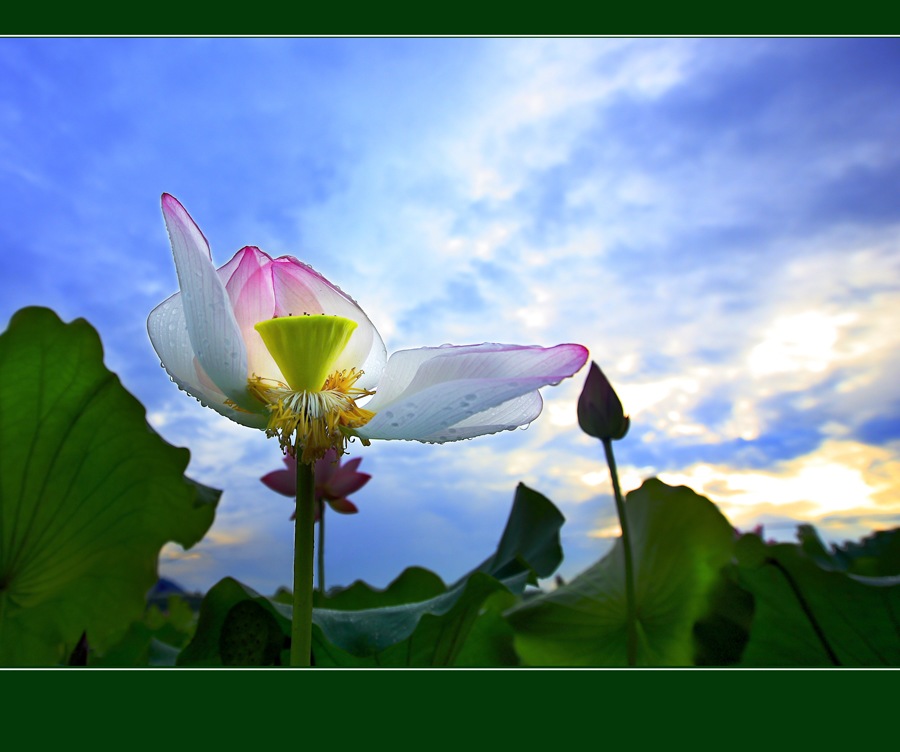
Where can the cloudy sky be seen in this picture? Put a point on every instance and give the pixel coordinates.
(717, 220)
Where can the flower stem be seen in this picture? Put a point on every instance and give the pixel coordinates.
(630, 602)
(321, 550)
(304, 543)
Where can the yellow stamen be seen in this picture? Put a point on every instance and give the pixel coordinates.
(313, 421)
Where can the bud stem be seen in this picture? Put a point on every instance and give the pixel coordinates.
(630, 602)
(321, 554)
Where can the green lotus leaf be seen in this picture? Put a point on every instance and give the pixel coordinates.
(414, 584)
(876, 555)
(680, 544)
(433, 631)
(428, 633)
(89, 493)
(807, 613)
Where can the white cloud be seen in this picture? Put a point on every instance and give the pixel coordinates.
(803, 342)
(842, 479)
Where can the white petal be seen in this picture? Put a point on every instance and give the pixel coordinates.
(508, 416)
(300, 289)
(400, 370)
(425, 393)
(211, 326)
(167, 328)
(409, 371)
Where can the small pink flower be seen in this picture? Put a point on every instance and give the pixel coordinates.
(335, 481)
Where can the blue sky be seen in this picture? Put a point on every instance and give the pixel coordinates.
(715, 219)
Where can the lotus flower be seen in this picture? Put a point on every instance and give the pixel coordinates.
(335, 481)
(270, 343)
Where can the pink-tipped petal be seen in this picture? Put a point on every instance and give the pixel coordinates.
(211, 326)
(238, 273)
(282, 481)
(227, 270)
(344, 506)
(432, 395)
(344, 483)
(252, 295)
(351, 466)
(300, 289)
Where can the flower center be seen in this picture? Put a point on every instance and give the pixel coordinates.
(316, 410)
(313, 421)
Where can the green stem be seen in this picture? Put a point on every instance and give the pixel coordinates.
(630, 601)
(321, 552)
(304, 543)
